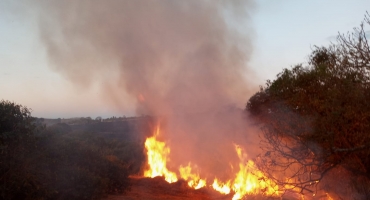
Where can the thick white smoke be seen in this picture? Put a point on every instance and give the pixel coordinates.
(180, 60)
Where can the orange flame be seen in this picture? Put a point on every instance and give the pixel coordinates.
(223, 188)
(157, 159)
(194, 180)
(248, 180)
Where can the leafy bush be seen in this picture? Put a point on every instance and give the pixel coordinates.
(317, 117)
(58, 163)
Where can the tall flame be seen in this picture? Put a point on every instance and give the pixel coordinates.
(248, 180)
(157, 159)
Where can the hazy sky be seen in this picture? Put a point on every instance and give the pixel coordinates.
(284, 31)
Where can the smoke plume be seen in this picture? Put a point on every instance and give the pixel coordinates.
(183, 61)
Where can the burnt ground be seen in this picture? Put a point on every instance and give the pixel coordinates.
(158, 189)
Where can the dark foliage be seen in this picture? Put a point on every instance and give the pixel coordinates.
(318, 117)
(59, 163)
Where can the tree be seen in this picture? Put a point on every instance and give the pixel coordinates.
(99, 119)
(17, 129)
(16, 123)
(316, 118)
(56, 162)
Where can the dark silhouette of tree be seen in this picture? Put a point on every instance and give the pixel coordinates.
(99, 119)
(317, 117)
(16, 139)
(16, 123)
(57, 162)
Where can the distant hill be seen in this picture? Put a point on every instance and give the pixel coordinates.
(128, 128)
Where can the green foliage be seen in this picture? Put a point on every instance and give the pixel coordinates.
(318, 116)
(77, 168)
(15, 123)
(16, 138)
(59, 163)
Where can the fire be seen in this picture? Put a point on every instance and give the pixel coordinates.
(220, 187)
(157, 159)
(249, 180)
(193, 179)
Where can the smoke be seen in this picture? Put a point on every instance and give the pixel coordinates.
(185, 61)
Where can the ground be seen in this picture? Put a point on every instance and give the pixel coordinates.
(158, 189)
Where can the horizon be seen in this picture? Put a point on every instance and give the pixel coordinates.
(283, 34)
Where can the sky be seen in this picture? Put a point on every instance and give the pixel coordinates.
(283, 34)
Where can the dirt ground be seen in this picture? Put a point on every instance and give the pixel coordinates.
(158, 189)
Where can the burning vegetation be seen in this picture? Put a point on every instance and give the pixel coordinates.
(247, 180)
(186, 64)
(315, 120)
